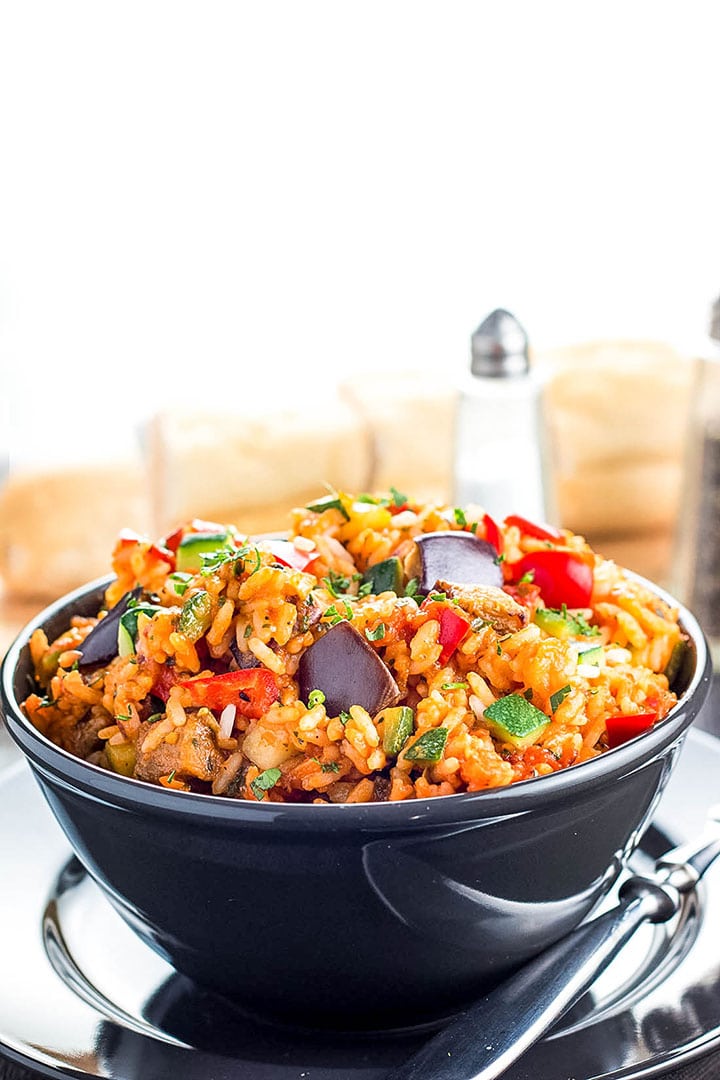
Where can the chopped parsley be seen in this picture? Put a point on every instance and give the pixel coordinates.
(248, 630)
(365, 589)
(155, 717)
(453, 685)
(460, 518)
(527, 578)
(479, 624)
(329, 766)
(315, 697)
(343, 717)
(332, 615)
(559, 696)
(336, 584)
(171, 777)
(377, 634)
(399, 499)
(180, 582)
(411, 589)
(439, 596)
(123, 716)
(262, 783)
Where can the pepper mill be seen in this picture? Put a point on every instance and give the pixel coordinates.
(500, 443)
(697, 556)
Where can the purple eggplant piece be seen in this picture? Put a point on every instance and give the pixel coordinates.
(459, 557)
(348, 671)
(101, 644)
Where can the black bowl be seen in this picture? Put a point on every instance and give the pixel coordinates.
(365, 915)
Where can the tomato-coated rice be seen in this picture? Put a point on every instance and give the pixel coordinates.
(208, 697)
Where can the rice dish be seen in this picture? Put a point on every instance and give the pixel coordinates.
(381, 649)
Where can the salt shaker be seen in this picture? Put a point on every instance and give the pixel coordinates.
(696, 578)
(500, 443)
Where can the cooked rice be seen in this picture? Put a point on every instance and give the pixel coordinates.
(131, 715)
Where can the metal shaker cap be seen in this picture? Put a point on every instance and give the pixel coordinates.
(499, 347)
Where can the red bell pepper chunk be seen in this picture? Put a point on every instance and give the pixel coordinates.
(492, 533)
(286, 553)
(172, 542)
(453, 626)
(252, 691)
(622, 728)
(129, 538)
(563, 577)
(529, 528)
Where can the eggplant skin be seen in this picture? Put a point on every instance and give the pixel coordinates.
(101, 644)
(459, 557)
(348, 671)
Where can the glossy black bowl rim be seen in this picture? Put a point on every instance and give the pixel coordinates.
(63, 768)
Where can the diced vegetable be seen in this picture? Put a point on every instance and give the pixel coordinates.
(252, 691)
(121, 757)
(194, 545)
(101, 644)
(385, 576)
(622, 728)
(289, 555)
(560, 623)
(453, 628)
(676, 661)
(398, 727)
(530, 528)
(429, 748)
(492, 533)
(563, 577)
(196, 616)
(515, 720)
(128, 627)
(459, 557)
(348, 671)
(594, 655)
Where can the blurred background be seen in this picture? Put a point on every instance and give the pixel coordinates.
(243, 247)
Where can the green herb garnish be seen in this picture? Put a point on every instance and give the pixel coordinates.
(262, 783)
(180, 582)
(315, 697)
(343, 717)
(460, 518)
(412, 587)
(336, 584)
(377, 634)
(559, 696)
(453, 685)
(399, 498)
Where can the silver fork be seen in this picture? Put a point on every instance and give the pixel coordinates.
(485, 1039)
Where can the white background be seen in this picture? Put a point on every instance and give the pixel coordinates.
(212, 201)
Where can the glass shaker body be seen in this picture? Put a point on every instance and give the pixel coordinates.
(500, 452)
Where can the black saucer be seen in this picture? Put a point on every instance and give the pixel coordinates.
(85, 998)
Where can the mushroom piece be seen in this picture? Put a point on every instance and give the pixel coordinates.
(101, 644)
(489, 603)
(459, 557)
(348, 671)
